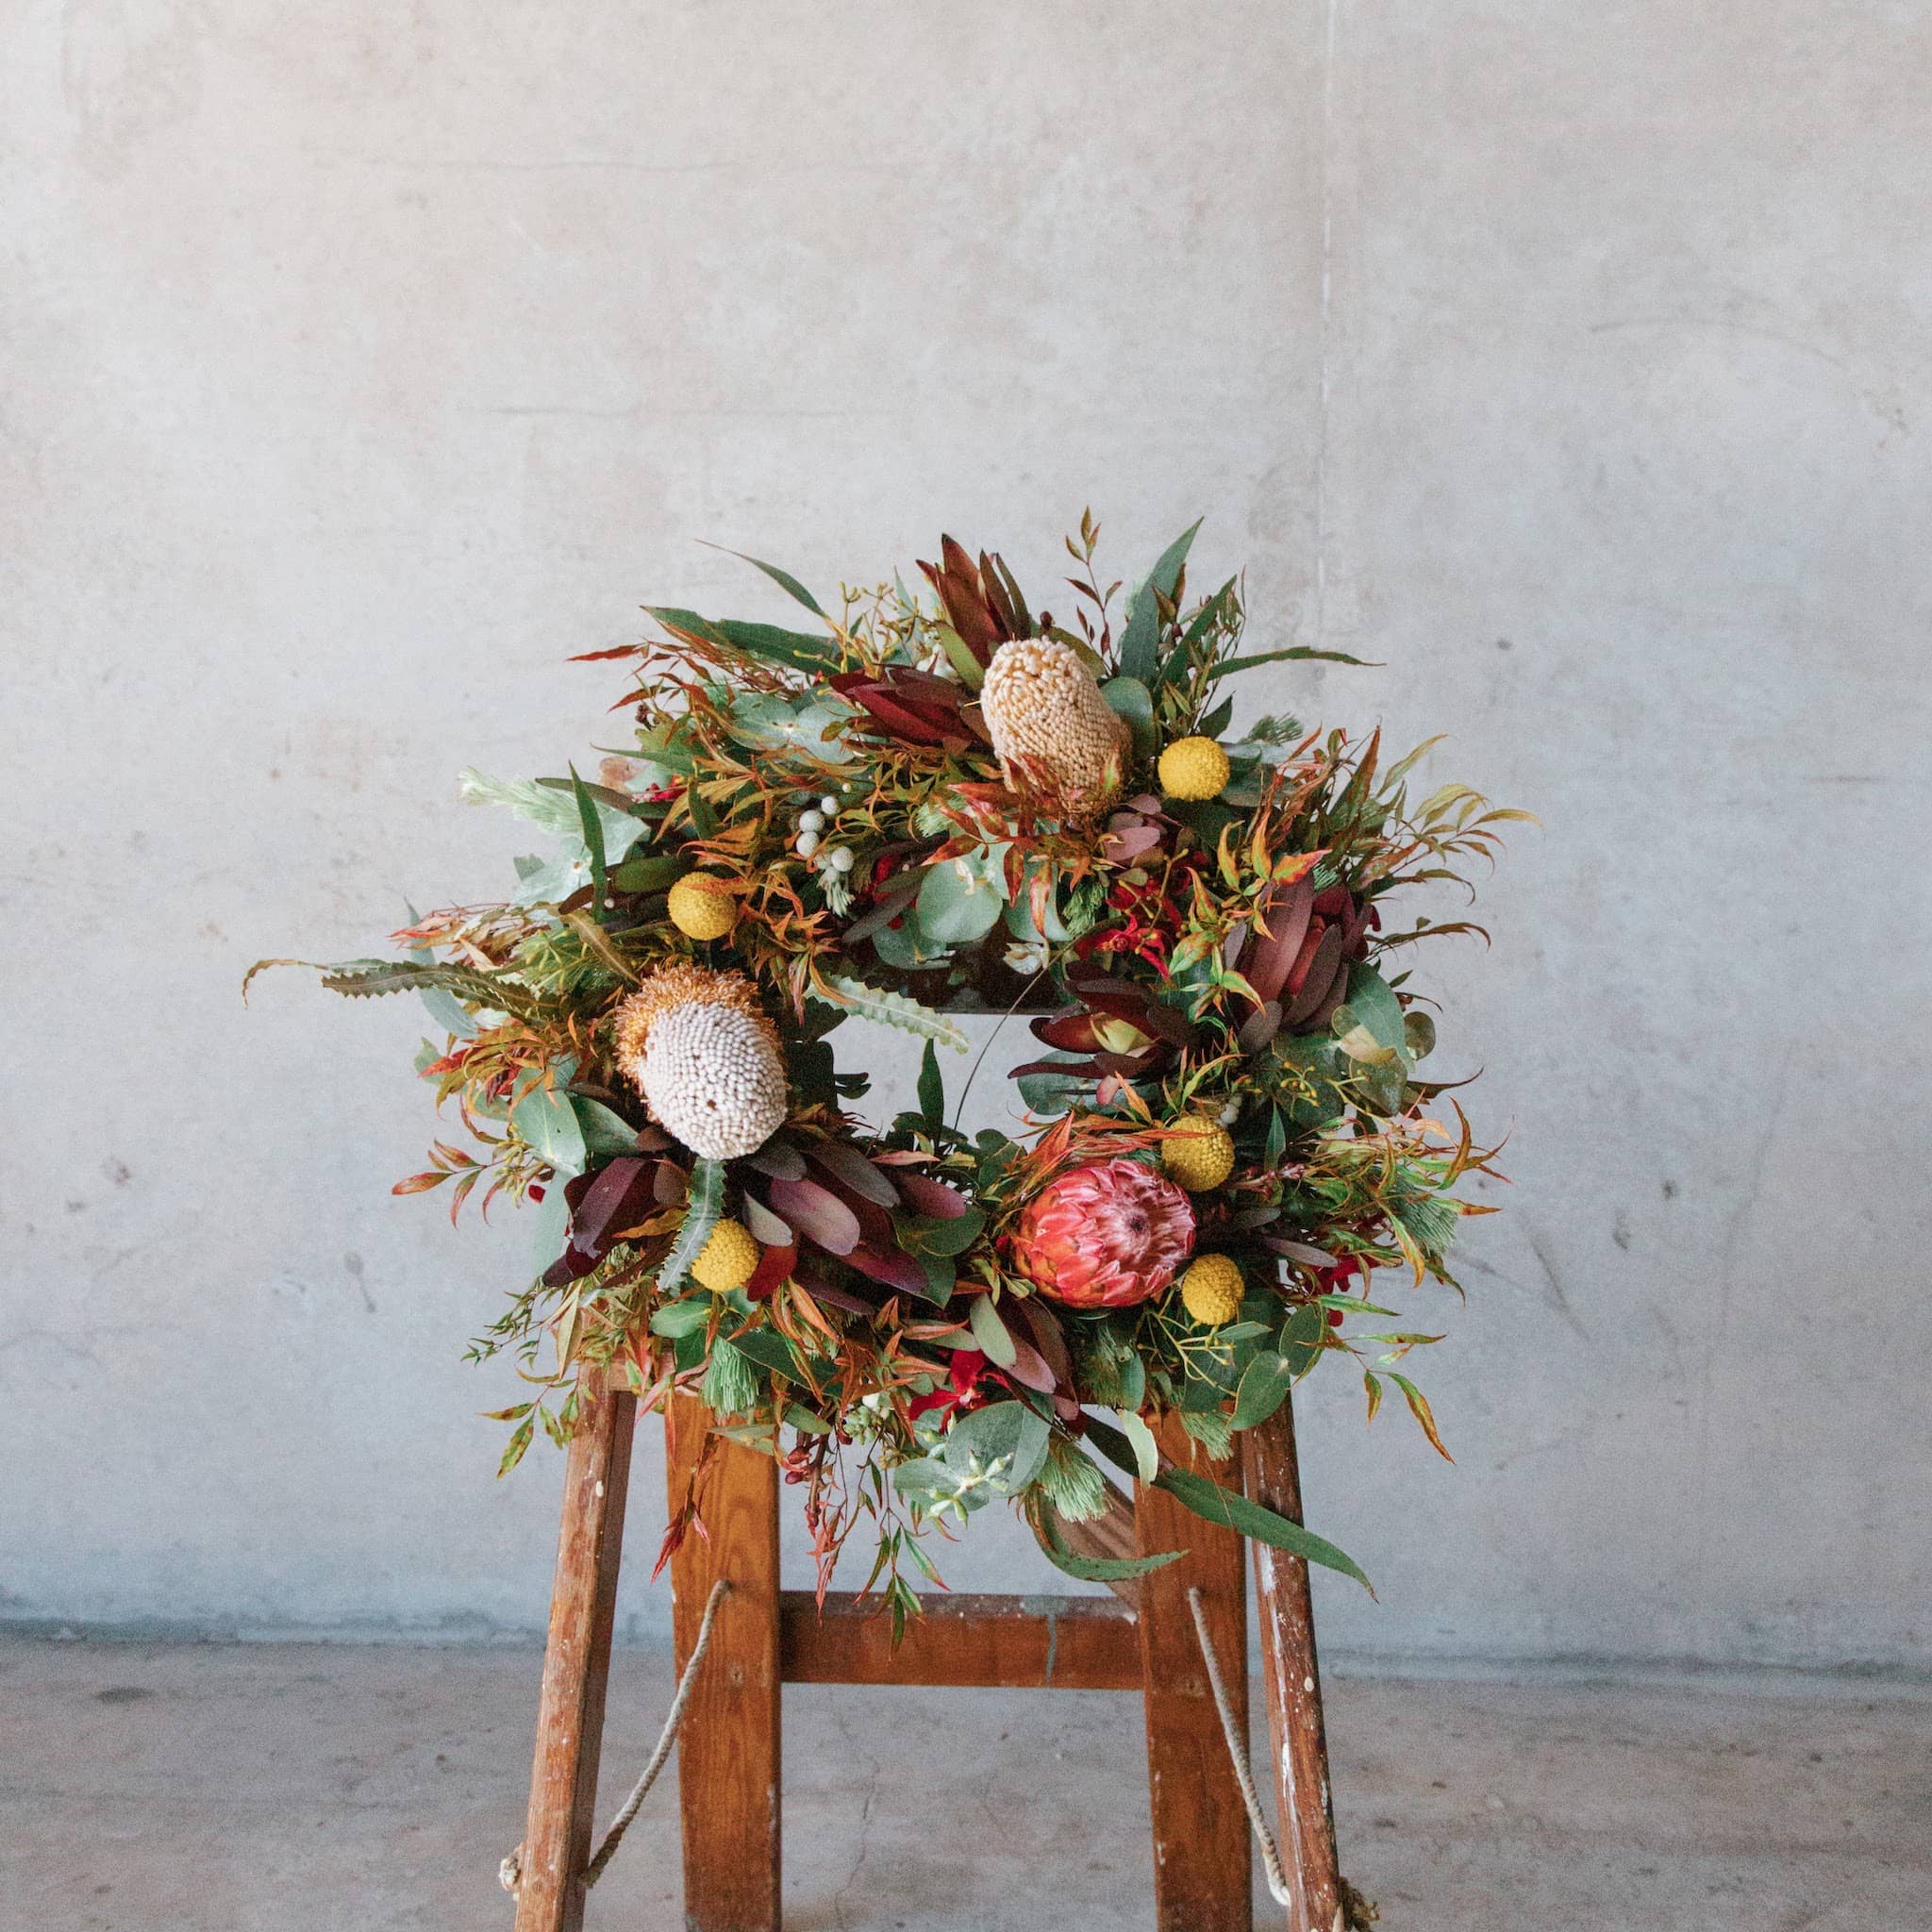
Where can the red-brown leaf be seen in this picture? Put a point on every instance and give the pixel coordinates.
(888, 1265)
(847, 1164)
(1324, 969)
(1281, 922)
(1047, 1337)
(817, 1213)
(774, 1265)
(932, 1197)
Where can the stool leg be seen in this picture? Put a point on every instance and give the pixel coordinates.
(576, 1663)
(1203, 1863)
(727, 1752)
(1291, 1685)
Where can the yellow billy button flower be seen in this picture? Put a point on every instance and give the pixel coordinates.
(702, 907)
(728, 1258)
(1194, 768)
(1211, 1289)
(1199, 1154)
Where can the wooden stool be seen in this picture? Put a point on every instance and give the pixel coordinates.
(765, 1637)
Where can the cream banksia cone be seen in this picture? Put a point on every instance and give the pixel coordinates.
(705, 1057)
(1051, 728)
(1105, 1237)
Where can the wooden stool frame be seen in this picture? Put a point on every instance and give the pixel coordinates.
(765, 1637)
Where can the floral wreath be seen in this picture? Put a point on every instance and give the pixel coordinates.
(915, 811)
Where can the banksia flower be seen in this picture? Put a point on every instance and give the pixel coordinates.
(728, 1258)
(1211, 1289)
(1052, 728)
(1194, 768)
(702, 907)
(707, 1060)
(1199, 1154)
(1105, 1237)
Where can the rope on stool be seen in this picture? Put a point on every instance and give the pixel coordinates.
(1354, 1910)
(510, 1873)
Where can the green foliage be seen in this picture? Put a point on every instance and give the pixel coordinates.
(1141, 640)
(1213, 1503)
(961, 899)
(894, 1010)
(1091, 1569)
(1071, 1484)
(549, 1126)
(1128, 698)
(704, 1207)
(731, 1384)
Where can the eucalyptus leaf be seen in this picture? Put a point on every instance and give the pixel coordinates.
(1213, 1503)
(783, 578)
(960, 900)
(926, 1476)
(1302, 1337)
(991, 1333)
(548, 1126)
(1372, 1005)
(1051, 1093)
(1094, 1569)
(604, 1131)
(931, 1234)
(770, 1350)
(932, 1090)
(687, 1317)
(906, 949)
(1141, 640)
(1009, 1429)
(1264, 1387)
(549, 1228)
(1130, 699)
(449, 1011)
(1147, 1450)
(1419, 1033)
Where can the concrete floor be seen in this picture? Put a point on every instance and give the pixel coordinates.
(316, 1789)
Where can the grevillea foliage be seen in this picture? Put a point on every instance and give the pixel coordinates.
(911, 809)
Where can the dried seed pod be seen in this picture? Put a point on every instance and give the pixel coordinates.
(1052, 731)
(705, 1057)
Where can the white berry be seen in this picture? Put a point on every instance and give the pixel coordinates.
(828, 803)
(807, 841)
(842, 858)
(812, 822)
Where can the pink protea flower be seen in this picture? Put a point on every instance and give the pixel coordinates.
(1105, 1236)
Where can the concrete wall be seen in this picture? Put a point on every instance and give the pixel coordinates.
(361, 363)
